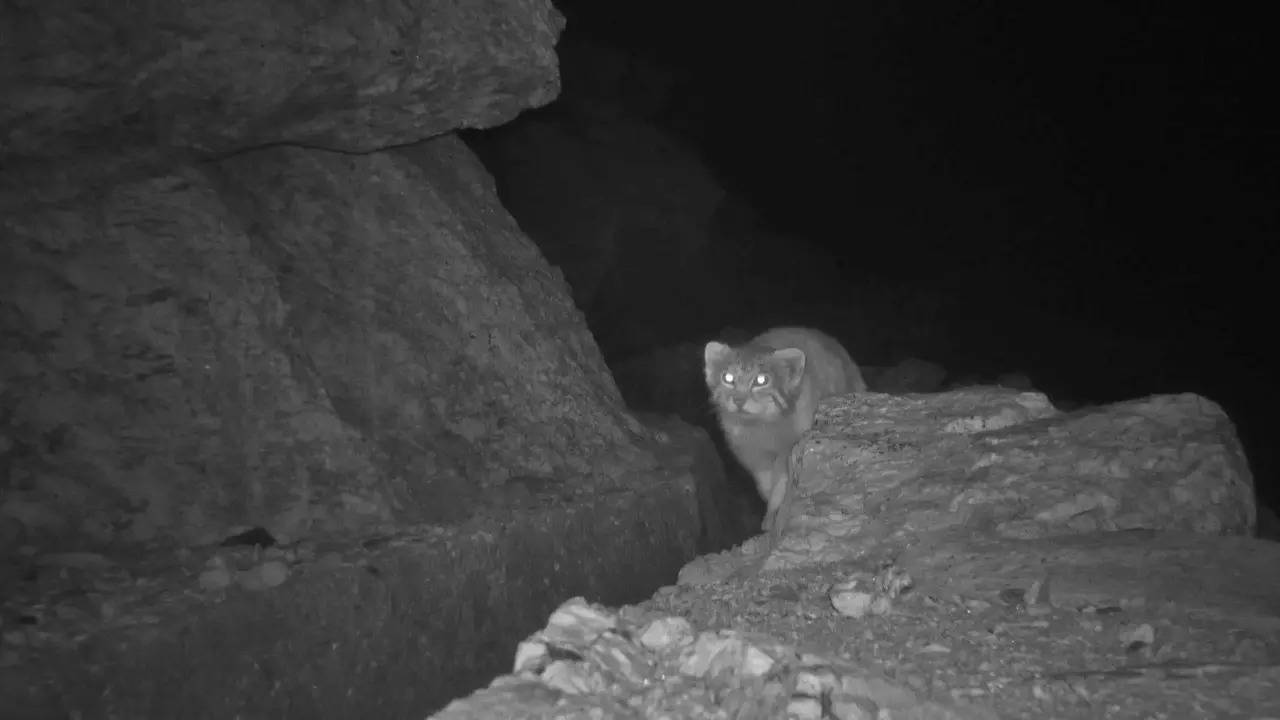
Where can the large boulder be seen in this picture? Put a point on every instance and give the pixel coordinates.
(961, 555)
(104, 86)
(299, 340)
(297, 422)
(327, 348)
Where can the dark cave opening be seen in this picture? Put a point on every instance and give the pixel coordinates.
(994, 205)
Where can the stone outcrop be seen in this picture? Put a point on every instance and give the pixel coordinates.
(110, 87)
(291, 406)
(300, 340)
(969, 554)
(888, 469)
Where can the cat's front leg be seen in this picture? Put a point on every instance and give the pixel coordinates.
(779, 504)
(767, 484)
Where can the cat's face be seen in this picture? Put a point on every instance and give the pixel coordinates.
(755, 382)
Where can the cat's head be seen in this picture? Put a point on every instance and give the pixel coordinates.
(753, 381)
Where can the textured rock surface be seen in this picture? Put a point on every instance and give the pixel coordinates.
(394, 626)
(1099, 625)
(293, 339)
(1219, 577)
(590, 663)
(881, 468)
(336, 348)
(248, 293)
(969, 554)
(990, 459)
(216, 77)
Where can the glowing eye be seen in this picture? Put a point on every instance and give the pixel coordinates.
(728, 378)
(761, 380)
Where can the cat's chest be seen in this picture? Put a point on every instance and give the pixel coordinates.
(779, 432)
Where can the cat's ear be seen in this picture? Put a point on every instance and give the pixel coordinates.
(791, 363)
(714, 356)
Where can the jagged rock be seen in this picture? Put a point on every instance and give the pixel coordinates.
(999, 461)
(101, 86)
(296, 340)
(967, 554)
(225, 308)
(589, 662)
(362, 351)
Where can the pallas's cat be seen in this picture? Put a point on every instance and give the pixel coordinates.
(765, 393)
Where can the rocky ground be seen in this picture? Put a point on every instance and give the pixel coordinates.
(965, 554)
(866, 640)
